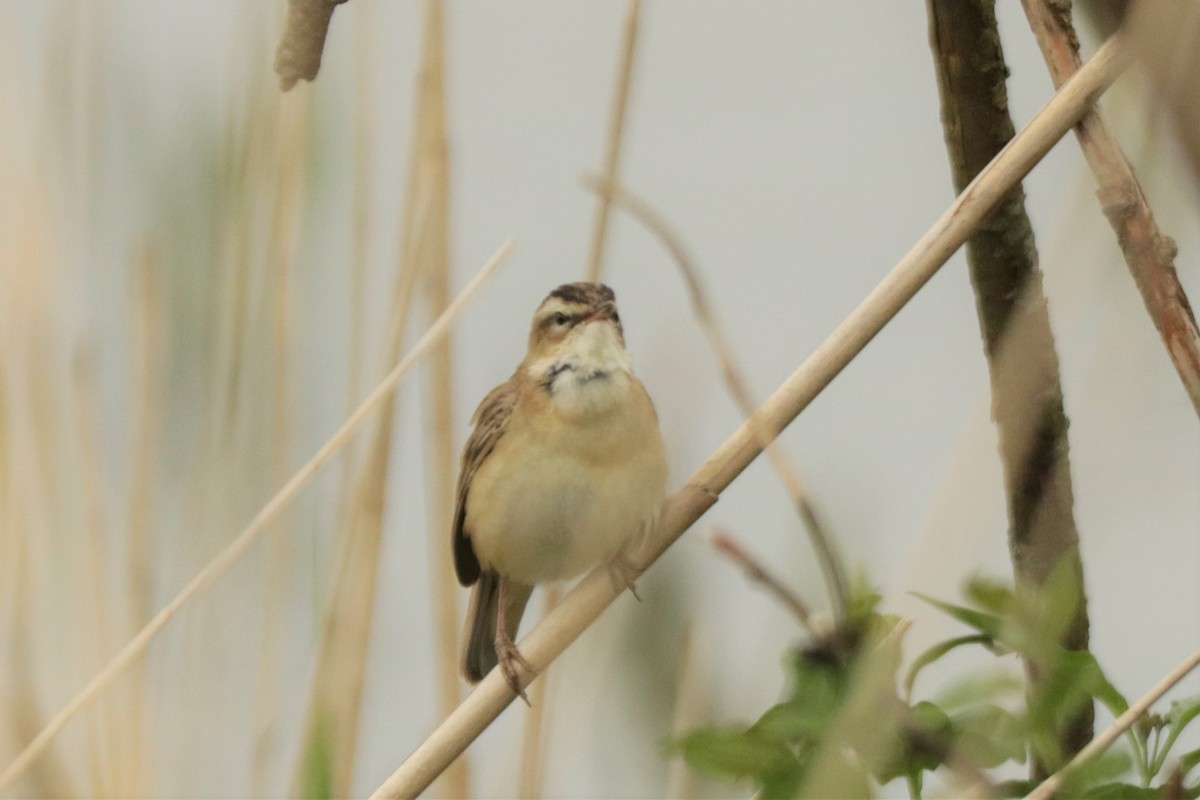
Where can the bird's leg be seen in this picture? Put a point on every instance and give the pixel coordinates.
(623, 573)
(506, 650)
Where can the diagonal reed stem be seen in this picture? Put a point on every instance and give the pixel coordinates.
(593, 594)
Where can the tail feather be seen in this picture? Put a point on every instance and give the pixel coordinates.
(479, 641)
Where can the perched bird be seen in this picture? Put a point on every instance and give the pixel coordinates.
(564, 470)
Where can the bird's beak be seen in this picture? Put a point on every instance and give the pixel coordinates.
(606, 311)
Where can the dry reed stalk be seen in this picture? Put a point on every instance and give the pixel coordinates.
(105, 740)
(616, 133)
(1149, 254)
(828, 555)
(219, 565)
(332, 724)
(148, 335)
(1123, 723)
(532, 773)
(289, 173)
(596, 591)
(1165, 37)
(360, 213)
(689, 710)
(727, 546)
(303, 42)
(442, 453)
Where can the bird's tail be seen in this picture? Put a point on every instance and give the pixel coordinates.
(479, 639)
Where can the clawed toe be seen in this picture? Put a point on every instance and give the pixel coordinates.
(510, 660)
(623, 574)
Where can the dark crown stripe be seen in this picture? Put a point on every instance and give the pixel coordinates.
(583, 293)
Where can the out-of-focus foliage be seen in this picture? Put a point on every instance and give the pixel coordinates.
(849, 723)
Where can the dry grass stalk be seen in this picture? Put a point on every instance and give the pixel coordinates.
(299, 54)
(442, 455)
(289, 173)
(616, 132)
(689, 711)
(532, 773)
(219, 565)
(1149, 254)
(331, 728)
(1123, 723)
(596, 591)
(727, 546)
(832, 566)
(1027, 402)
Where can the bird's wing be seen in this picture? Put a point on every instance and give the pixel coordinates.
(491, 420)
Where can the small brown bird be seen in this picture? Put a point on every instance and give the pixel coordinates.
(565, 469)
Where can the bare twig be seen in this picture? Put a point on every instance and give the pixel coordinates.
(1027, 402)
(1149, 254)
(596, 591)
(1122, 723)
(299, 54)
(757, 573)
(219, 565)
(823, 543)
(616, 131)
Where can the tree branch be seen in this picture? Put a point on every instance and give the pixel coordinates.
(596, 591)
(1149, 254)
(1027, 400)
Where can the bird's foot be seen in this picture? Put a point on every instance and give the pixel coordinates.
(623, 573)
(510, 661)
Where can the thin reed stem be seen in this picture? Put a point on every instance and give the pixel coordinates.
(727, 546)
(616, 134)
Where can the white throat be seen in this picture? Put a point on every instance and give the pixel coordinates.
(591, 371)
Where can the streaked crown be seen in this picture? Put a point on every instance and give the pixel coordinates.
(568, 306)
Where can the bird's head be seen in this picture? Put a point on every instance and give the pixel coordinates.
(577, 328)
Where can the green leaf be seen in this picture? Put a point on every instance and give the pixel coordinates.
(818, 685)
(1189, 761)
(1074, 678)
(782, 784)
(1102, 769)
(1182, 713)
(936, 652)
(990, 736)
(1121, 791)
(793, 721)
(732, 752)
(983, 622)
(975, 689)
(990, 594)
(317, 769)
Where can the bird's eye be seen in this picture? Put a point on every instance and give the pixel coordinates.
(560, 318)
(616, 318)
